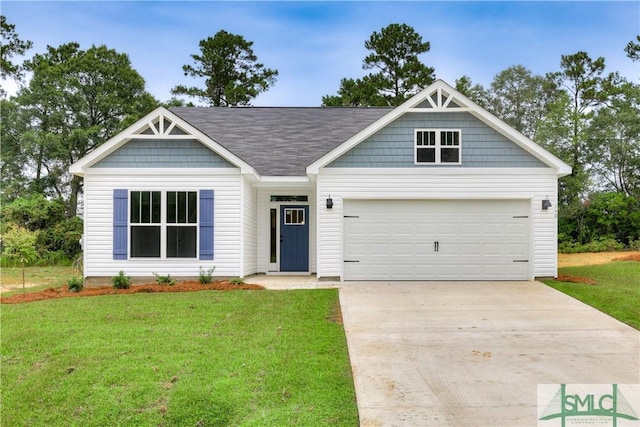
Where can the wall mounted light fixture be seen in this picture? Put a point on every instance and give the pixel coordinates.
(329, 202)
(546, 204)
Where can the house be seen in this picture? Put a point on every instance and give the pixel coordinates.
(435, 189)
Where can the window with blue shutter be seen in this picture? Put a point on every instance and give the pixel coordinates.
(120, 205)
(206, 224)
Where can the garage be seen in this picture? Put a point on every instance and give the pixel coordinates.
(436, 240)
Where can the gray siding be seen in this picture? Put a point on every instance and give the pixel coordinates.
(160, 153)
(393, 146)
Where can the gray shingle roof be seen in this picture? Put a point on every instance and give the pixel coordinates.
(279, 141)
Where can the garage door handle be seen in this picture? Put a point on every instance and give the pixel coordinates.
(436, 246)
(351, 260)
(520, 260)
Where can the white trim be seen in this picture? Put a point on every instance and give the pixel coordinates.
(82, 166)
(457, 171)
(439, 87)
(163, 171)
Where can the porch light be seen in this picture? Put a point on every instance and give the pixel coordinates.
(329, 202)
(546, 204)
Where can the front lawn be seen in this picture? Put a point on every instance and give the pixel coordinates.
(260, 358)
(616, 291)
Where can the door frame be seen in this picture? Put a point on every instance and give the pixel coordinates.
(274, 268)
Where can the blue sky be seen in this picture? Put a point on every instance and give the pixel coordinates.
(315, 44)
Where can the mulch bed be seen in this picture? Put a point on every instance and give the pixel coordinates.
(634, 257)
(187, 286)
(575, 279)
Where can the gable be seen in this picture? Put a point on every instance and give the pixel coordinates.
(393, 146)
(163, 153)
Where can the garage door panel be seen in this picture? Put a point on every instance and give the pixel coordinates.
(395, 239)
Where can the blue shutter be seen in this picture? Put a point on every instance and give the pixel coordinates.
(206, 224)
(120, 208)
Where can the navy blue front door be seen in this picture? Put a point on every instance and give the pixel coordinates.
(294, 238)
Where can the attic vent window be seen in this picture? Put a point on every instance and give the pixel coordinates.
(438, 146)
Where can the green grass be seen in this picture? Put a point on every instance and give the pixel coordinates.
(48, 275)
(616, 292)
(251, 358)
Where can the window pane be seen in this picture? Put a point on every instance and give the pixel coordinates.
(145, 241)
(431, 138)
(193, 208)
(155, 207)
(181, 242)
(145, 214)
(419, 138)
(450, 155)
(171, 207)
(182, 207)
(135, 207)
(426, 155)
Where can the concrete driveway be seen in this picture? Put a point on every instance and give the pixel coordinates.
(473, 353)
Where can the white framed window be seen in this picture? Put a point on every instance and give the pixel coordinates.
(164, 224)
(438, 146)
(294, 216)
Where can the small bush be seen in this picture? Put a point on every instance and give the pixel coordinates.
(206, 276)
(236, 281)
(75, 284)
(634, 245)
(121, 281)
(164, 280)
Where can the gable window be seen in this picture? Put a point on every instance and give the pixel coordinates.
(437, 146)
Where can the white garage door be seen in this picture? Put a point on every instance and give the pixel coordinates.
(436, 240)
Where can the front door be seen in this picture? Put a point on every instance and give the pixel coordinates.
(294, 238)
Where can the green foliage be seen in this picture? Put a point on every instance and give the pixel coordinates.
(633, 49)
(233, 76)
(236, 281)
(398, 73)
(11, 46)
(75, 284)
(19, 244)
(205, 276)
(121, 281)
(164, 280)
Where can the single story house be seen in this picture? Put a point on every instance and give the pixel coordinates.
(434, 189)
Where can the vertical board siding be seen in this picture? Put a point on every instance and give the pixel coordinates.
(359, 184)
(394, 145)
(206, 224)
(120, 223)
(98, 217)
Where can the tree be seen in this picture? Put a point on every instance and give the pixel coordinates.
(75, 101)
(633, 49)
(398, 73)
(11, 46)
(19, 245)
(231, 71)
(614, 141)
(476, 93)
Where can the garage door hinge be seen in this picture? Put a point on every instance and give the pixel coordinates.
(520, 260)
(350, 260)
(352, 216)
(521, 216)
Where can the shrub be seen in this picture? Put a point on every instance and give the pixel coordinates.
(206, 276)
(164, 280)
(75, 284)
(236, 281)
(121, 281)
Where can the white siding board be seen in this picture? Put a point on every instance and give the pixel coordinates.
(98, 218)
(529, 184)
(249, 232)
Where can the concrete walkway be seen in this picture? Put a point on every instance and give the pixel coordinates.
(473, 353)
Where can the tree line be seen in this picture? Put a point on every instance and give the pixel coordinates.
(77, 98)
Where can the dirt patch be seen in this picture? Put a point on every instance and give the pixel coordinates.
(577, 260)
(188, 286)
(576, 279)
(634, 257)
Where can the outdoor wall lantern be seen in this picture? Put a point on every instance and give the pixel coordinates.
(329, 202)
(546, 204)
